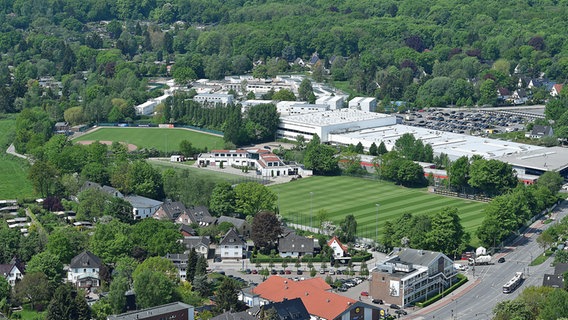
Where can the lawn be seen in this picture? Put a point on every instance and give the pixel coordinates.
(163, 139)
(341, 196)
(215, 175)
(13, 170)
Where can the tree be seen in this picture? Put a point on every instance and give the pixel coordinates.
(284, 95)
(382, 149)
(227, 299)
(111, 241)
(447, 234)
(43, 177)
(459, 172)
(488, 93)
(165, 237)
(320, 157)
(265, 229)
(253, 197)
(551, 180)
(348, 228)
(47, 263)
(222, 201)
(33, 288)
(305, 90)
(66, 243)
(492, 176)
(68, 304)
(202, 285)
(556, 305)
(4, 288)
(191, 265)
(187, 149)
(116, 296)
(201, 265)
(153, 288)
(410, 173)
(373, 150)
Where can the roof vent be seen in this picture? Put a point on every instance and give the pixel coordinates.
(307, 293)
(328, 300)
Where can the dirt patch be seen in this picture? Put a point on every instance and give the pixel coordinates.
(131, 147)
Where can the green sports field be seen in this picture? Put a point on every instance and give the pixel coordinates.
(341, 196)
(14, 171)
(164, 139)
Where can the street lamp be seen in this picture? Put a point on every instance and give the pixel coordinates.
(377, 223)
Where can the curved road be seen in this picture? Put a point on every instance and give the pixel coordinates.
(478, 300)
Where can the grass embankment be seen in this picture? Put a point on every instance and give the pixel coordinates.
(13, 170)
(341, 196)
(163, 139)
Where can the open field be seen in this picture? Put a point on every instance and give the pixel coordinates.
(341, 196)
(163, 139)
(13, 170)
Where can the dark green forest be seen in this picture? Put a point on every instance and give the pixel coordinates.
(432, 53)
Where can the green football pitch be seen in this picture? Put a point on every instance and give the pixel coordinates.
(300, 200)
(163, 139)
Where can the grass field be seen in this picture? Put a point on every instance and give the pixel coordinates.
(341, 196)
(163, 139)
(196, 172)
(13, 171)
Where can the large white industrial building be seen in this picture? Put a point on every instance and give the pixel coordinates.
(332, 121)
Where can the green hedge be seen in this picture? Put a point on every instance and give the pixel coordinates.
(462, 280)
(265, 259)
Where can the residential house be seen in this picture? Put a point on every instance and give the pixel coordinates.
(313, 60)
(241, 225)
(61, 127)
(231, 246)
(199, 215)
(84, 270)
(411, 275)
(200, 244)
(317, 298)
(295, 246)
(143, 207)
(169, 210)
(13, 271)
(539, 131)
(212, 99)
(519, 96)
(289, 309)
(339, 249)
(250, 298)
(108, 189)
(175, 310)
(556, 89)
(243, 315)
(556, 280)
(503, 94)
(187, 231)
(180, 261)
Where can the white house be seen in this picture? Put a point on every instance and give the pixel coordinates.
(143, 207)
(338, 248)
(84, 270)
(231, 247)
(12, 271)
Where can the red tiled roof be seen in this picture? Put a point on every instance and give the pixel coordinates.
(313, 292)
(344, 247)
(558, 87)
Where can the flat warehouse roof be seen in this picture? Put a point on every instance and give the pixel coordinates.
(453, 144)
(546, 159)
(331, 117)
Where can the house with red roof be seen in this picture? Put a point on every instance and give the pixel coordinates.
(317, 297)
(263, 161)
(339, 249)
(556, 89)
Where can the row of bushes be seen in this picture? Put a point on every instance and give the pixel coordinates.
(462, 280)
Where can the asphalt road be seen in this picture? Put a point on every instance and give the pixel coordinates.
(486, 289)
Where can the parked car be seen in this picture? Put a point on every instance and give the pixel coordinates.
(501, 260)
(401, 312)
(322, 271)
(273, 272)
(377, 301)
(364, 293)
(280, 271)
(394, 306)
(254, 271)
(299, 272)
(288, 272)
(217, 259)
(248, 271)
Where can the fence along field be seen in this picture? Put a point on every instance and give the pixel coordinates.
(163, 139)
(341, 196)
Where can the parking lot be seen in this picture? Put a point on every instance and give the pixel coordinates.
(480, 122)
